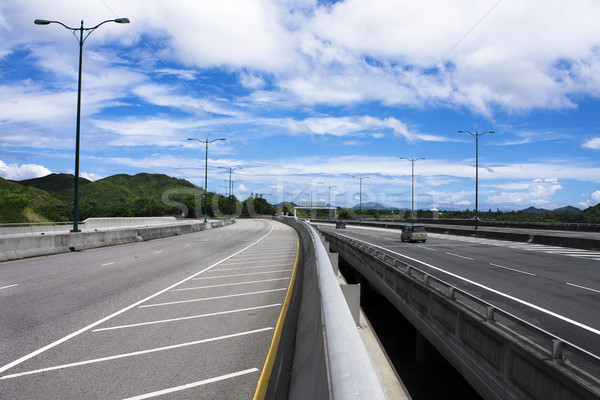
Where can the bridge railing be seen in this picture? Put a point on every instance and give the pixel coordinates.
(570, 358)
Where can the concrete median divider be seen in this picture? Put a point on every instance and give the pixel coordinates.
(41, 243)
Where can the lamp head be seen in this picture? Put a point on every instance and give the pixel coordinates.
(122, 20)
(41, 22)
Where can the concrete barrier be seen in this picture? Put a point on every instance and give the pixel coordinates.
(40, 244)
(330, 359)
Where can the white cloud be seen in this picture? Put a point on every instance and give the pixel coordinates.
(596, 196)
(539, 193)
(17, 172)
(593, 143)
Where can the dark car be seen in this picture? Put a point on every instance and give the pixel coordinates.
(413, 233)
(340, 224)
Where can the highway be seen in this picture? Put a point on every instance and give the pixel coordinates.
(555, 288)
(189, 316)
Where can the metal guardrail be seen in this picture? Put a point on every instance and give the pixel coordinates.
(572, 358)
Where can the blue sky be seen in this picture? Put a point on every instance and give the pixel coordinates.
(309, 94)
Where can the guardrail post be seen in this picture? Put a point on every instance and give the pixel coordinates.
(451, 293)
(489, 313)
(558, 348)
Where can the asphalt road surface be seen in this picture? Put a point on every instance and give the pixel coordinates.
(555, 288)
(189, 316)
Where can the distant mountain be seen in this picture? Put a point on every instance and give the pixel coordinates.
(563, 210)
(591, 214)
(372, 206)
(533, 210)
(61, 185)
(50, 198)
(567, 210)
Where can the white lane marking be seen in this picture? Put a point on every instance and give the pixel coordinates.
(135, 353)
(159, 251)
(251, 273)
(244, 268)
(512, 269)
(231, 284)
(184, 318)
(260, 259)
(192, 385)
(107, 264)
(456, 255)
(100, 321)
(9, 286)
(212, 298)
(564, 251)
(427, 248)
(561, 317)
(583, 287)
(187, 244)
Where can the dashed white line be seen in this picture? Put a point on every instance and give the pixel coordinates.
(211, 298)
(583, 287)
(459, 256)
(541, 309)
(107, 264)
(135, 353)
(427, 248)
(512, 269)
(9, 286)
(184, 318)
(158, 251)
(193, 384)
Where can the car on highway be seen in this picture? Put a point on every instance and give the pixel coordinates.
(340, 224)
(414, 233)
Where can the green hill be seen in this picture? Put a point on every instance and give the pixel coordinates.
(50, 198)
(590, 215)
(20, 203)
(60, 185)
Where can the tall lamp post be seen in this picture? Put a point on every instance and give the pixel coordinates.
(230, 190)
(206, 142)
(329, 200)
(476, 136)
(360, 179)
(412, 185)
(81, 39)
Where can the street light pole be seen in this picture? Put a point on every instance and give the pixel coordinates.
(412, 190)
(81, 40)
(360, 179)
(230, 190)
(476, 136)
(206, 142)
(329, 200)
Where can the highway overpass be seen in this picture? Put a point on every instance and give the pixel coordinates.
(493, 308)
(194, 315)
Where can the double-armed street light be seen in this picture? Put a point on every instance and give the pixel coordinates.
(476, 135)
(206, 142)
(412, 190)
(81, 39)
(360, 178)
